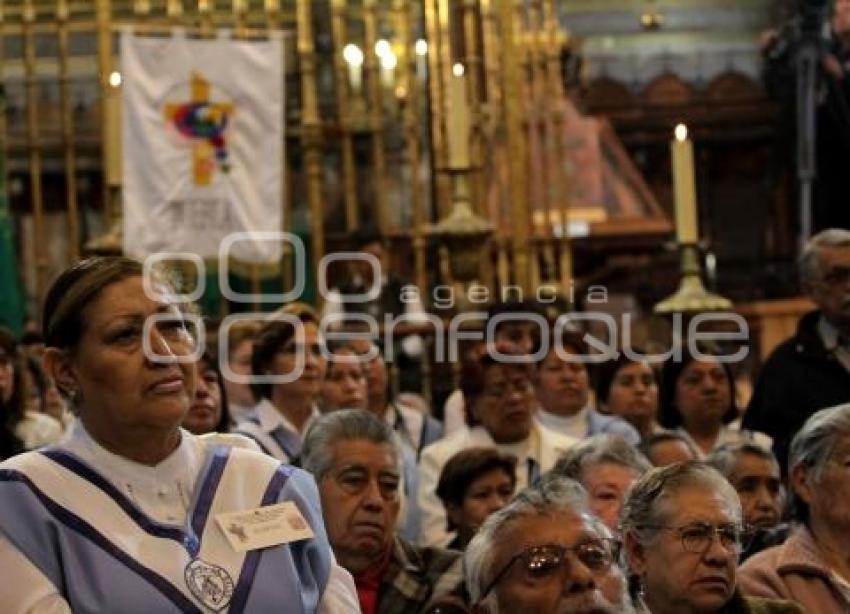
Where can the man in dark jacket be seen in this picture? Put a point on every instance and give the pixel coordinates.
(811, 370)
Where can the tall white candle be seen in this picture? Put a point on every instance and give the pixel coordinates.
(389, 61)
(457, 120)
(353, 56)
(684, 186)
(421, 49)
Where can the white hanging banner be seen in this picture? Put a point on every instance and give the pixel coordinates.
(202, 144)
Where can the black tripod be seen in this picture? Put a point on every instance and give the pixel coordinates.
(808, 74)
(811, 48)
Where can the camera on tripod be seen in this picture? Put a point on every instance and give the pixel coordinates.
(813, 16)
(808, 26)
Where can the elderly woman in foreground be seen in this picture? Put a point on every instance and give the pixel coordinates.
(132, 513)
(682, 527)
(812, 566)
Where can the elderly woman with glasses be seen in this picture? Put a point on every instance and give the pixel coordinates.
(682, 532)
(545, 553)
(500, 397)
(812, 566)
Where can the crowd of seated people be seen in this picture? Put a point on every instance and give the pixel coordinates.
(625, 486)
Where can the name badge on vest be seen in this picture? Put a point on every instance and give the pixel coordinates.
(265, 526)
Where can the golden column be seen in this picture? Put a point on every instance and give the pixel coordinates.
(110, 241)
(273, 22)
(473, 62)
(561, 179)
(493, 118)
(311, 130)
(376, 116)
(409, 82)
(70, 163)
(34, 148)
(345, 114)
(534, 67)
(436, 94)
(516, 143)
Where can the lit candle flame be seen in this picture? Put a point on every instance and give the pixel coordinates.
(352, 54)
(681, 132)
(382, 48)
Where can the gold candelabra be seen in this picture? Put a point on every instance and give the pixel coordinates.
(691, 297)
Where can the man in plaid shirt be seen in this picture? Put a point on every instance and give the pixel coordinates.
(355, 459)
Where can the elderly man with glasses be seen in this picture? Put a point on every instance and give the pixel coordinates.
(811, 369)
(355, 459)
(544, 553)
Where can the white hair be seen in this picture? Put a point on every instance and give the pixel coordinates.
(813, 445)
(809, 262)
(644, 510)
(550, 496)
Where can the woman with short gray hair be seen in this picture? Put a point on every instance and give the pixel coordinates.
(606, 465)
(811, 567)
(681, 526)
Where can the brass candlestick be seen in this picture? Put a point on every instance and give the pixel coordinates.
(691, 297)
(462, 232)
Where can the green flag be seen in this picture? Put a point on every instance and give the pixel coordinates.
(11, 297)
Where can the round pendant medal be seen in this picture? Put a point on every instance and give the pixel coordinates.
(209, 583)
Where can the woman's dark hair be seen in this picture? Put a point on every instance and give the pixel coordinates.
(63, 317)
(512, 312)
(468, 465)
(572, 342)
(473, 371)
(669, 415)
(13, 409)
(607, 371)
(31, 337)
(38, 378)
(272, 337)
(210, 359)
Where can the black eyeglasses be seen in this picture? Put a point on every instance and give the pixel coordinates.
(836, 276)
(698, 537)
(542, 563)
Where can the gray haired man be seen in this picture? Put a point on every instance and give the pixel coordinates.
(355, 459)
(544, 553)
(810, 370)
